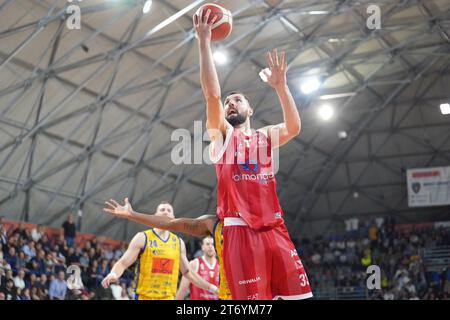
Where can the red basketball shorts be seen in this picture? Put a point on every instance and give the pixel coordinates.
(262, 265)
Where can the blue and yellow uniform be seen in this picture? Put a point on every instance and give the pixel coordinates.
(157, 268)
(224, 291)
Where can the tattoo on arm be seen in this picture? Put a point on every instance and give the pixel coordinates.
(190, 227)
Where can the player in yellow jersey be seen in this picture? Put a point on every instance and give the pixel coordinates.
(160, 256)
(199, 227)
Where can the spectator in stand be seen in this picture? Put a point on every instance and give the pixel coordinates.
(120, 251)
(29, 250)
(19, 280)
(108, 253)
(40, 260)
(84, 260)
(69, 230)
(9, 290)
(72, 257)
(34, 293)
(25, 294)
(21, 231)
(58, 287)
(31, 281)
(22, 261)
(42, 287)
(37, 233)
(3, 236)
(92, 275)
(11, 258)
(102, 271)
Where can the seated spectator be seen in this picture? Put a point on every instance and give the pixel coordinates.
(84, 261)
(72, 257)
(3, 238)
(11, 258)
(22, 261)
(42, 286)
(34, 293)
(37, 233)
(120, 251)
(34, 268)
(25, 295)
(93, 275)
(31, 281)
(58, 287)
(102, 271)
(108, 253)
(29, 250)
(20, 230)
(40, 261)
(19, 280)
(9, 290)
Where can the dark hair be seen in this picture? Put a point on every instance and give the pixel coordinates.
(203, 240)
(164, 202)
(238, 92)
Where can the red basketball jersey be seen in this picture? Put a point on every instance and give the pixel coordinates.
(246, 184)
(210, 274)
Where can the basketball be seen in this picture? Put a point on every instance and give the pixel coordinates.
(221, 29)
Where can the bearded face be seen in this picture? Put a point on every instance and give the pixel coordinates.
(237, 109)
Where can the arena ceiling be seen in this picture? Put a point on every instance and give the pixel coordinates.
(88, 114)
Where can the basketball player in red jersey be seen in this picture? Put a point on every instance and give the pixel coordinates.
(207, 268)
(260, 259)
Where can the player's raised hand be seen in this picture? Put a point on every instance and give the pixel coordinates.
(113, 207)
(275, 74)
(202, 26)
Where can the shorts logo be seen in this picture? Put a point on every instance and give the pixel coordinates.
(253, 297)
(298, 265)
(277, 215)
(243, 282)
(294, 253)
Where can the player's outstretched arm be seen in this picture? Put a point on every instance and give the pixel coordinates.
(185, 282)
(128, 258)
(208, 75)
(276, 77)
(199, 227)
(191, 275)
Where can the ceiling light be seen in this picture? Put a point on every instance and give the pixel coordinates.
(147, 6)
(445, 108)
(310, 85)
(326, 112)
(220, 57)
(342, 135)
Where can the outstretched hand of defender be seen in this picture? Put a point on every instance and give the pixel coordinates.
(275, 74)
(202, 26)
(113, 207)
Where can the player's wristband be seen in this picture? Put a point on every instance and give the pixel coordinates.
(113, 274)
(213, 288)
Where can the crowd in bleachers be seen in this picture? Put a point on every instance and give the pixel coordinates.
(33, 264)
(342, 262)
